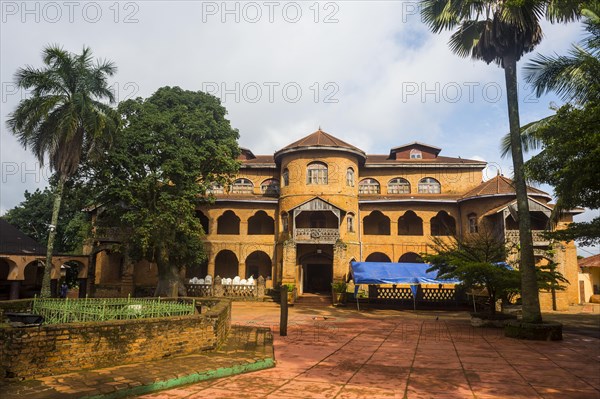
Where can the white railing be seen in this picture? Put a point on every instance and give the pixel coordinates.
(317, 235)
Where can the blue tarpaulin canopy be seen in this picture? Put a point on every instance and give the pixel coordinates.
(395, 273)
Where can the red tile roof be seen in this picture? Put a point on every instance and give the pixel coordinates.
(320, 139)
(500, 185)
(385, 159)
(590, 261)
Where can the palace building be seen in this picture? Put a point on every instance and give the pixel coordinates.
(304, 213)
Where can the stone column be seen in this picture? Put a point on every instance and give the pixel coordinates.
(289, 262)
(260, 287)
(211, 266)
(340, 261)
(15, 285)
(217, 287)
(242, 270)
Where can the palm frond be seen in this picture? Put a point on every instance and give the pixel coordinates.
(464, 39)
(529, 137)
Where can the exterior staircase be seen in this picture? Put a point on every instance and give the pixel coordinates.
(314, 300)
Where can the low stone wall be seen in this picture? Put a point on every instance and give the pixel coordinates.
(31, 352)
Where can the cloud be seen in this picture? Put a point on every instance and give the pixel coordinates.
(369, 73)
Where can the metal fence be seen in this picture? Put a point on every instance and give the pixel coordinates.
(101, 309)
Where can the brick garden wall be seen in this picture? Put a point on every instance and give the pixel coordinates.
(31, 352)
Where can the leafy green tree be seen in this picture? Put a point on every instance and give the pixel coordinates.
(64, 119)
(569, 139)
(174, 145)
(569, 162)
(575, 77)
(502, 32)
(477, 260)
(73, 227)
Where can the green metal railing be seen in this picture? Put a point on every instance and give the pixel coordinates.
(101, 309)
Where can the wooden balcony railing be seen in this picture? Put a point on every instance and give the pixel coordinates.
(537, 236)
(316, 235)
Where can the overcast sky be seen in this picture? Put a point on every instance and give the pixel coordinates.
(368, 72)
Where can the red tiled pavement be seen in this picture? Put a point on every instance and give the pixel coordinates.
(343, 354)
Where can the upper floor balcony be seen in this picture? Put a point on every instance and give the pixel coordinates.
(512, 236)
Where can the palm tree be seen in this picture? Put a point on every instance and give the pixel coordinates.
(574, 77)
(64, 120)
(502, 31)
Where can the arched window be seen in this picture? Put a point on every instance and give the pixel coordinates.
(228, 223)
(216, 188)
(270, 187)
(350, 177)
(410, 224)
(410, 257)
(226, 264)
(376, 224)
(472, 223)
(285, 176)
(398, 186)
(284, 222)
(260, 224)
(203, 221)
(242, 186)
(429, 185)
(316, 173)
(378, 257)
(350, 222)
(369, 186)
(416, 154)
(442, 224)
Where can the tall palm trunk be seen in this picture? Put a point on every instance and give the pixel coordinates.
(46, 291)
(529, 287)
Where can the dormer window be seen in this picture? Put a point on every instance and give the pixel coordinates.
(416, 154)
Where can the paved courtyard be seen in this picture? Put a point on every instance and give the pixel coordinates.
(343, 353)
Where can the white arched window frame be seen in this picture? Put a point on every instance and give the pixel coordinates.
(285, 177)
(429, 185)
(270, 186)
(316, 173)
(350, 177)
(350, 222)
(473, 228)
(242, 186)
(398, 186)
(216, 188)
(369, 186)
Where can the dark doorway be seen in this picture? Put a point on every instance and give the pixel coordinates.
(318, 278)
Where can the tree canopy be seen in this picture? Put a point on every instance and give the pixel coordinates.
(477, 261)
(173, 146)
(33, 214)
(569, 162)
(64, 120)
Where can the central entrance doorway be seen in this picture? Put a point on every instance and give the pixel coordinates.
(316, 271)
(317, 278)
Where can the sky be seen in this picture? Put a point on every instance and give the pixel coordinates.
(368, 72)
